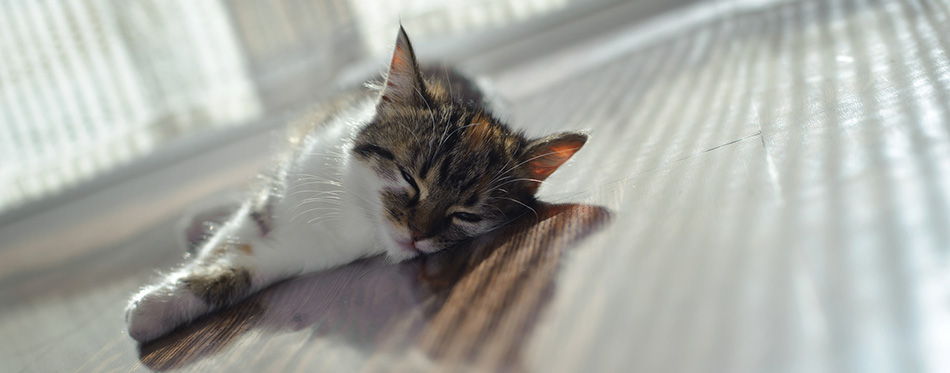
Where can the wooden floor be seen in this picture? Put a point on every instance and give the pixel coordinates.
(765, 189)
(473, 305)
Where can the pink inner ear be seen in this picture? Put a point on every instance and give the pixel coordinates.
(398, 64)
(551, 157)
(402, 84)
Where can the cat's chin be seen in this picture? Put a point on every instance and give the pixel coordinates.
(397, 249)
(398, 254)
(401, 249)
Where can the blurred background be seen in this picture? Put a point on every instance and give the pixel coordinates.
(779, 169)
(90, 86)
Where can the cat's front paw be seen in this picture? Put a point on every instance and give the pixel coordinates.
(155, 311)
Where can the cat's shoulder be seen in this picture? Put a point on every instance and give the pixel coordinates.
(318, 116)
(459, 86)
(448, 82)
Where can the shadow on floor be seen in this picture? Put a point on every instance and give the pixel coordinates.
(472, 305)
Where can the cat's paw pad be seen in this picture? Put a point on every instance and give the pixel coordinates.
(155, 312)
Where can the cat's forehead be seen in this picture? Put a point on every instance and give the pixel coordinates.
(454, 147)
(454, 128)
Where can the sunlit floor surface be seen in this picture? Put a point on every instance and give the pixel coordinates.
(777, 176)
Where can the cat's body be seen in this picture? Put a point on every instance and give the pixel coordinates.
(416, 168)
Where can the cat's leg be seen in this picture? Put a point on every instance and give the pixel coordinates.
(223, 274)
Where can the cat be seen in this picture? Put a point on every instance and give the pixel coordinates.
(417, 167)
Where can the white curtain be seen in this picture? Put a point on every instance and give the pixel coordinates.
(88, 85)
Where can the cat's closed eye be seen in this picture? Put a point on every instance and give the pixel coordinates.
(466, 217)
(368, 150)
(409, 179)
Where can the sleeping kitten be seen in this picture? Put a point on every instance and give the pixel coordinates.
(415, 169)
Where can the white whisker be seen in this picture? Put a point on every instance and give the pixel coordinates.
(522, 203)
(312, 210)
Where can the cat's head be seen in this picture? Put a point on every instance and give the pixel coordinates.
(448, 170)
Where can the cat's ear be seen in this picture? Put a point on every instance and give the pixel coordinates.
(404, 85)
(543, 156)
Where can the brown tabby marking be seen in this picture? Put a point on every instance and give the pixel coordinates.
(481, 132)
(228, 247)
(219, 286)
(245, 248)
